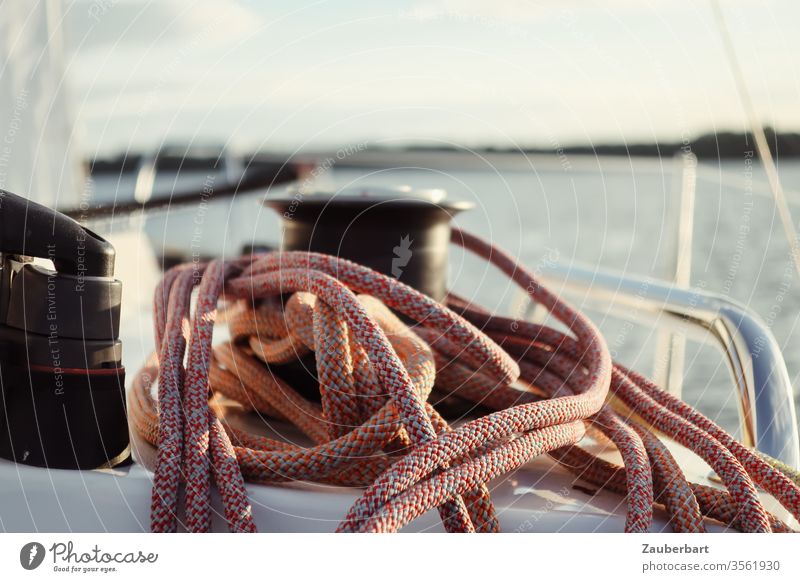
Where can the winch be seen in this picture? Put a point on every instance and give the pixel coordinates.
(61, 375)
(399, 231)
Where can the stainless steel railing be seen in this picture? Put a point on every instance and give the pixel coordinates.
(765, 395)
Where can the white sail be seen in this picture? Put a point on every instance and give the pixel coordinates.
(37, 154)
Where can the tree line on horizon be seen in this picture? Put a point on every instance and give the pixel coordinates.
(721, 145)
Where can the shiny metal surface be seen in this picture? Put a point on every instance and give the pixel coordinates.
(765, 393)
(670, 355)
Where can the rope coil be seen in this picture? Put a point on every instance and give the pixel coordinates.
(374, 426)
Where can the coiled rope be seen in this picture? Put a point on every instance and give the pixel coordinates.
(374, 426)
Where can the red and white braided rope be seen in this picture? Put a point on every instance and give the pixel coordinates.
(374, 426)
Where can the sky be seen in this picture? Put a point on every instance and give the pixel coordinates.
(303, 75)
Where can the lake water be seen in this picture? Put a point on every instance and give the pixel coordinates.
(610, 212)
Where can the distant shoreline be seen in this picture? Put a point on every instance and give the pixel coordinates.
(719, 146)
(724, 145)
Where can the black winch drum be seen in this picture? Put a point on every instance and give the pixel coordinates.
(62, 382)
(400, 232)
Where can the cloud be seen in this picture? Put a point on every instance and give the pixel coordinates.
(102, 24)
(477, 10)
